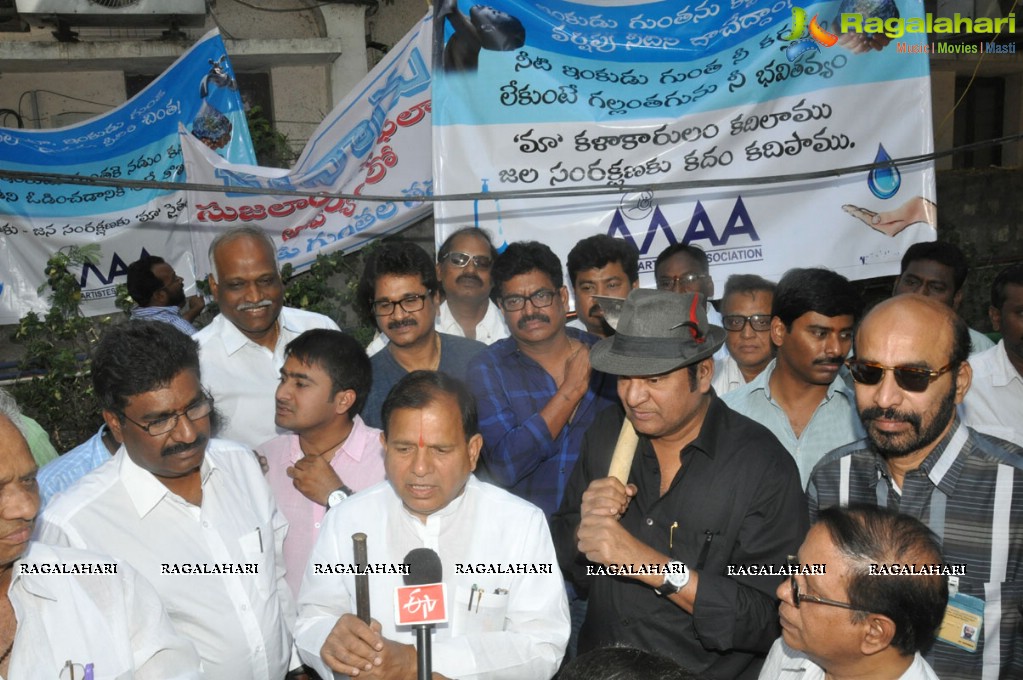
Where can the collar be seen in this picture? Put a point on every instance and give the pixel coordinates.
(37, 553)
(360, 431)
(1002, 370)
(841, 383)
(440, 516)
(943, 465)
(712, 429)
(510, 346)
(142, 486)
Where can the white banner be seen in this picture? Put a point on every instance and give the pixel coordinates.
(376, 141)
(583, 95)
(138, 140)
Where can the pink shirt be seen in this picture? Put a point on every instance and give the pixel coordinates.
(359, 463)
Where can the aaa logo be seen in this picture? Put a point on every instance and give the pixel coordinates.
(801, 43)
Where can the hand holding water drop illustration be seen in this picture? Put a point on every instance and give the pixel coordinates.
(915, 210)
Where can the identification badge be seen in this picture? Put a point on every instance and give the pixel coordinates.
(964, 618)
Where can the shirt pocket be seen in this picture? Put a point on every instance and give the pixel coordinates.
(479, 610)
(256, 549)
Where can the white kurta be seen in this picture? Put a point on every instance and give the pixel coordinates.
(521, 626)
(239, 622)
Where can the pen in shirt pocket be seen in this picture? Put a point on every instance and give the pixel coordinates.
(259, 534)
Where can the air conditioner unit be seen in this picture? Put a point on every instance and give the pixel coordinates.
(114, 12)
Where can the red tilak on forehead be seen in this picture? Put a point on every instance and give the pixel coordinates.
(421, 441)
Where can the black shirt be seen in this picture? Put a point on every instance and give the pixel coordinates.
(737, 501)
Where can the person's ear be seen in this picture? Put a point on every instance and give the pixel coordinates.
(115, 425)
(956, 299)
(475, 446)
(995, 315)
(213, 285)
(778, 331)
(877, 635)
(964, 376)
(343, 400)
(563, 296)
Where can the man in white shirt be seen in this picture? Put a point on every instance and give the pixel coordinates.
(193, 515)
(841, 618)
(464, 261)
(746, 315)
(994, 403)
(59, 604)
(508, 616)
(242, 350)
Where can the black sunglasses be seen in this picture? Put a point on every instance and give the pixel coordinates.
(909, 378)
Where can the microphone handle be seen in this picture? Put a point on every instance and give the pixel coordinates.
(361, 579)
(424, 652)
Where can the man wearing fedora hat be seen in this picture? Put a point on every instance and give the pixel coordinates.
(684, 559)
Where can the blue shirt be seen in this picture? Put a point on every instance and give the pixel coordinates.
(521, 456)
(455, 353)
(165, 314)
(61, 473)
(834, 423)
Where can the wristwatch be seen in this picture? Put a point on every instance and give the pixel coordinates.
(676, 576)
(338, 495)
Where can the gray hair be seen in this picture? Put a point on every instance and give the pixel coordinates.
(238, 232)
(9, 407)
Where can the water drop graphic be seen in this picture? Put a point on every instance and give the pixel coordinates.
(884, 182)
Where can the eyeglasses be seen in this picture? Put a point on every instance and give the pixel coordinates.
(797, 597)
(679, 282)
(410, 303)
(462, 259)
(909, 378)
(196, 411)
(736, 322)
(541, 298)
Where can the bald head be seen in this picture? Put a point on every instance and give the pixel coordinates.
(910, 371)
(919, 319)
(19, 496)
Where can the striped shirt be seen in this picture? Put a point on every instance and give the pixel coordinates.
(969, 491)
(165, 314)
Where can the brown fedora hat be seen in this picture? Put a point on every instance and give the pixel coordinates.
(658, 331)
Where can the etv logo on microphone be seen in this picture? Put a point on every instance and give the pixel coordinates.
(420, 605)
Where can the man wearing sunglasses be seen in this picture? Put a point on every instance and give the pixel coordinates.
(846, 620)
(746, 315)
(398, 293)
(192, 514)
(802, 396)
(911, 370)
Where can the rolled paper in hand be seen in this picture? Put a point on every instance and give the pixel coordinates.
(625, 451)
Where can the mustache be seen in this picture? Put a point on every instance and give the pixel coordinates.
(401, 323)
(181, 447)
(595, 310)
(533, 317)
(245, 306)
(836, 361)
(469, 277)
(876, 412)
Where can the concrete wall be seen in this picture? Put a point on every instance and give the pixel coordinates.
(981, 212)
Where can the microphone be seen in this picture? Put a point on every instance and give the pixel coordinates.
(424, 591)
(361, 577)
